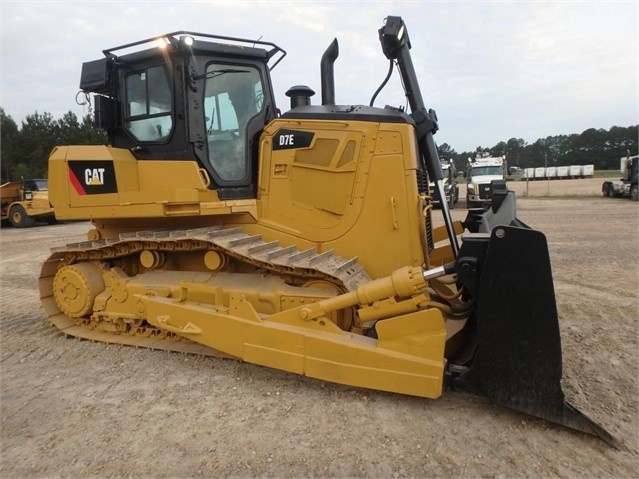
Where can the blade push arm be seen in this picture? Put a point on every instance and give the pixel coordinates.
(396, 46)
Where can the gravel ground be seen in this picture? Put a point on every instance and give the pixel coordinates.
(76, 409)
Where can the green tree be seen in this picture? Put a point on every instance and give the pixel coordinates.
(599, 147)
(25, 151)
(89, 135)
(38, 135)
(621, 142)
(446, 150)
(500, 149)
(72, 132)
(8, 139)
(515, 152)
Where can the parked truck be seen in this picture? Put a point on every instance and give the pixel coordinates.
(627, 185)
(479, 177)
(25, 202)
(451, 188)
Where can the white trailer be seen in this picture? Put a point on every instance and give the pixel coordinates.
(562, 172)
(540, 173)
(587, 171)
(574, 171)
(529, 174)
(551, 172)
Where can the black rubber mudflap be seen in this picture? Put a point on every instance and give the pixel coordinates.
(518, 357)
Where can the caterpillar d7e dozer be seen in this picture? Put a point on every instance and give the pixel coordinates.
(301, 241)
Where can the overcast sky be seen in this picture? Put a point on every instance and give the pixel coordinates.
(491, 70)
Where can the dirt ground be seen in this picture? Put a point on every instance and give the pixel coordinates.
(76, 409)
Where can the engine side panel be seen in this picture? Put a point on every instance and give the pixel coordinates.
(349, 186)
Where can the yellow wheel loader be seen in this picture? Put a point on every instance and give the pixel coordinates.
(301, 241)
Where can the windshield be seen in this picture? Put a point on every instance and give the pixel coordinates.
(486, 171)
(35, 185)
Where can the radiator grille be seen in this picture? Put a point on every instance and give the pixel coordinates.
(422, 182)
(485, 191)
(430, 245)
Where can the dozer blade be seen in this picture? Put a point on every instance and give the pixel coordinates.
(518, 357)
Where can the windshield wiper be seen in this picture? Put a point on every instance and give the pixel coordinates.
(217, 73)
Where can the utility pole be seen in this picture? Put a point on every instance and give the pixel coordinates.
(546, 173)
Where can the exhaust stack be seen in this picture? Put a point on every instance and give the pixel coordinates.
(326, 73)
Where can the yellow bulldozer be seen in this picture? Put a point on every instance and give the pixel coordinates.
(303, 240)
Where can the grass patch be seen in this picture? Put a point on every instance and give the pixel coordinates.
(606, 174)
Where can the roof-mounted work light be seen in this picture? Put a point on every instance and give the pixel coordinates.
(162, 42)
(186, 41)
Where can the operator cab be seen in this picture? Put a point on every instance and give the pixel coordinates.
(188, 98)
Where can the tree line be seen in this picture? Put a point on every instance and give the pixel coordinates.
(24, 150)
(599, 147)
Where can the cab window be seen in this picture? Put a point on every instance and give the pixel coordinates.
(232, 96)
(148, 115)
